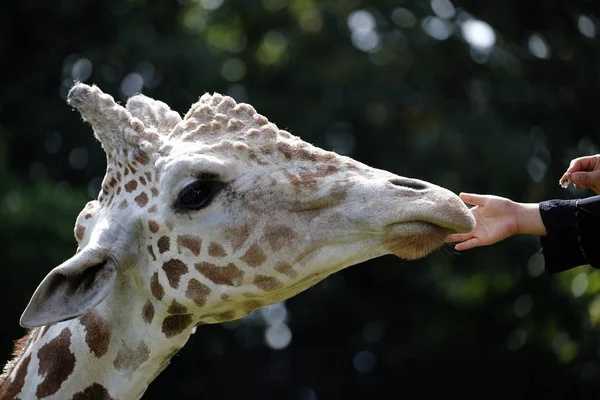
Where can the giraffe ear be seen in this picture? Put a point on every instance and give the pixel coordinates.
(69, 290)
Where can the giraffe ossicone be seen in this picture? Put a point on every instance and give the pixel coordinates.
(203, 219)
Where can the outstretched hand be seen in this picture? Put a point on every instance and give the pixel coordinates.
(496, 218)
(584, 172)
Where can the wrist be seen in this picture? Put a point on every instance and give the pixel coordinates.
(529, 219)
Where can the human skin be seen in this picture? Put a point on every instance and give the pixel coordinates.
(498, 218)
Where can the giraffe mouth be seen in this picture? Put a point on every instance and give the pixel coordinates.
(415, 239)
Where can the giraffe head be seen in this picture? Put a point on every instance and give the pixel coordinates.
(218, 213)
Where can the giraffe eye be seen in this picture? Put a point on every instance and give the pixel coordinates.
(197, 195)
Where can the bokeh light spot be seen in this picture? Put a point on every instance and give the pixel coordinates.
(362, 26)
(14, 201)
(437, 28)
(132, 84)
(233, 69)
(443, 8)
(274, 314)
(403, 18)
(535, 265)
(278, 336)
(364, 361)
(194, 20)
(272, 49)
(78, 158)
(536, 168)
(211, 4)
(579, 284)
(361, 21)
(538, 46)
(81, 70)
(478, 34)
(522, 305)
(586, 26)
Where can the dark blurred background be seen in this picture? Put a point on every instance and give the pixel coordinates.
(481, 96)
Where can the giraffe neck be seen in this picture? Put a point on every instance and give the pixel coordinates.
(109, 353)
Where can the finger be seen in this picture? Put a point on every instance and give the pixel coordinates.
(458, 237)
(582, 164)
(474, 199)
(469, 244)
(585, 179)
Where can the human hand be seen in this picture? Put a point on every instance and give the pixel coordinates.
(583, 172)
(495, 220)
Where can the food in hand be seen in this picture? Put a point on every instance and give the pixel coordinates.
(565, 180)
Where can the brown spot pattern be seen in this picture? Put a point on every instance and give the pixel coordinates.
(129, 359)
(148, 312)
(254, 256)
(97, 333)
(154, 191)
(56, 364)
(197, 291)
(142, 180)
(123, 204)
(153, 209)
(142, 158)
(153, 226)
(93, 392)
(220, 275)
(164, 244)
(216, 250)
(79, 232)
(151, 251)
(226, 316)
(251, 305)
(131, 186)
(175, 324)
(156, 288)
(286, 269)
(278, 236)
(176, 308)
(10, 390)
(267, 283)
(238, 236)
(193, 243)
(141, 199)
(174, 269)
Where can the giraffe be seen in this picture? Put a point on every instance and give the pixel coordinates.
(201, 220)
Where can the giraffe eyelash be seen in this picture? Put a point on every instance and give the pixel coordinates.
(197, 195)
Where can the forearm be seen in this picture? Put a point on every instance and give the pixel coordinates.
(529, 219)
(572, 233)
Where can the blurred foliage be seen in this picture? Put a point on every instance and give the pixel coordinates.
(483, 96)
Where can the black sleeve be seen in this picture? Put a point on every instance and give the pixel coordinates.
(573, 233)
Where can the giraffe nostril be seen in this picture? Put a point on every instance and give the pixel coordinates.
(409, 183)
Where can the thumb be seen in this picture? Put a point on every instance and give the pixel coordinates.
(473, 199)
(586, 178)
